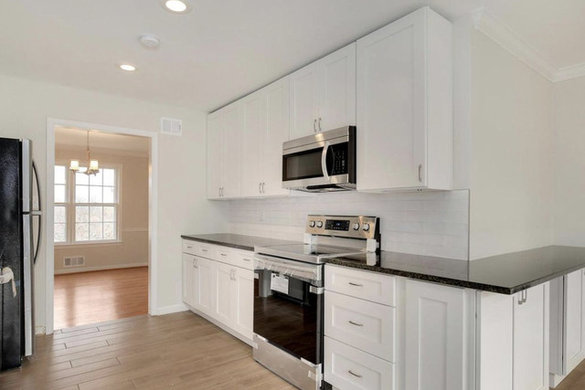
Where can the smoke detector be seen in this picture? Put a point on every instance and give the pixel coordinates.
(149, 41)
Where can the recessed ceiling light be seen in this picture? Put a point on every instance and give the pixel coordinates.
(128, 67)
(177, 6)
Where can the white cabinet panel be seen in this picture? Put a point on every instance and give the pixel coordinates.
(214, 160)
(531, 338)
(348, 368)
(399, 144)
(365, 325)
(254, 129)
(204, 298)
(574, 323)
(323, 94)
(435, 337)
(230, 150)
(223, 298)
(338, 90)
(187, 279)
(243, 294)
(277, 132)
(304, 100)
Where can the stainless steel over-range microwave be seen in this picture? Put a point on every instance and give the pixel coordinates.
(322, 162)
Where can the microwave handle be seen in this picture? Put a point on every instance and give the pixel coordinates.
(326, 146)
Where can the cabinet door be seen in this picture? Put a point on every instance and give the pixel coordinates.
(214, 161)
(304, 100)
(206, 291)
(337, 89)
(435, 345)
(253, 133)
(574, 326)
(531, 340)
(188, 279)
(230, 150)
(391, 105)
(223, 294)
(243, 293)
(277, 132)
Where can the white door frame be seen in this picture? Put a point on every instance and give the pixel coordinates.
(49, 202)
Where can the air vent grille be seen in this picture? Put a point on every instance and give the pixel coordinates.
(74, 261)
(171, 126)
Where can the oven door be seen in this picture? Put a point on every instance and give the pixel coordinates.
(288, 306)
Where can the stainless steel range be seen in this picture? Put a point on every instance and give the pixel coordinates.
(288, 294)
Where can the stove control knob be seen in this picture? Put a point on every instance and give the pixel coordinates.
(312, 224)
(366, 227)
(356, 226)
(319, 224)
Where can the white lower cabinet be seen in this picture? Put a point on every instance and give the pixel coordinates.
(567, 325)
(514, 340)
(219, 289)
(437, 331)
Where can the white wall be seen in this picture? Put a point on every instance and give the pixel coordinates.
(132, 246)
(569, 124)
(424, 223)
(511, 152)
(24, 108)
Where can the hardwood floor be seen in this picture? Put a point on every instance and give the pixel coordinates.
(90, 297)
(576, 380)
(178, 351)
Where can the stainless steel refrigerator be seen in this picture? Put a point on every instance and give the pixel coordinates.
(19, 216)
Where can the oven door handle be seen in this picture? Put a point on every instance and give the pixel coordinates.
(326, 146)
(295, 269)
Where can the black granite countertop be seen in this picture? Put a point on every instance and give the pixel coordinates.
(237, 241)
(505, 274)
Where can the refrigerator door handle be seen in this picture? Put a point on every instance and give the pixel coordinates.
(27, 281)
(37, 213)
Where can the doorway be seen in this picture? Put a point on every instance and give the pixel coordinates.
(99, 233)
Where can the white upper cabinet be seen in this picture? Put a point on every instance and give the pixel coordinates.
(404, 105)
(265, 128)
(224, 128)
(322, 94)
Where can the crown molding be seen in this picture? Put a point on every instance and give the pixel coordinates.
(506, 37)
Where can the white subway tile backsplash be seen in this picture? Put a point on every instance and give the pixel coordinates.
(425, 223)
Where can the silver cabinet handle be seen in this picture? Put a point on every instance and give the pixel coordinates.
(420, 173)
(320, 124)
(260, 188)
(355, 284)
(245, 259)
(523, 297)
(314, 125)
(223, 254)
(354, 374)
(195, 263)
(263, 191)
(355, 323)
(204, 250)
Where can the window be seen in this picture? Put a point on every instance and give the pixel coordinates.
(60, 214)
(92, 205)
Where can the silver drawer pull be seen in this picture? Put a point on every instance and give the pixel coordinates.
(204, 250)
(354, 374)
(355, 284)
(223, 254)
(246, 259)
(189, 247)
(355, 323)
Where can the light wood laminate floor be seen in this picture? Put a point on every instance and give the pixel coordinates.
(90, 297)
(178, 351)
(574, 381)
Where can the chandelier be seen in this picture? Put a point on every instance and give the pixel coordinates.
(92, 165)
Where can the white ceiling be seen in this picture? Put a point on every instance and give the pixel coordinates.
(73, 138)
(224, 49)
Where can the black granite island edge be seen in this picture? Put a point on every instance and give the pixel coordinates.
(504, 274)
(236, 241)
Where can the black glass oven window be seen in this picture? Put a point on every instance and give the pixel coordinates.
(292, 321)
(303, 165)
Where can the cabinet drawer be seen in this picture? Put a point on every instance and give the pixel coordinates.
(361, 284)
(348, 368)
(244, 260)
(197, 248)
(361, 324)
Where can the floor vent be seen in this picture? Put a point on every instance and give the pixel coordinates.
(171, 126)
(74, 261)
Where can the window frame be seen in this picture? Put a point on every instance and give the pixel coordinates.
(71, 204)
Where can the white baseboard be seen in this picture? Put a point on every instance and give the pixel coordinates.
(170, 309)
(74, 270)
